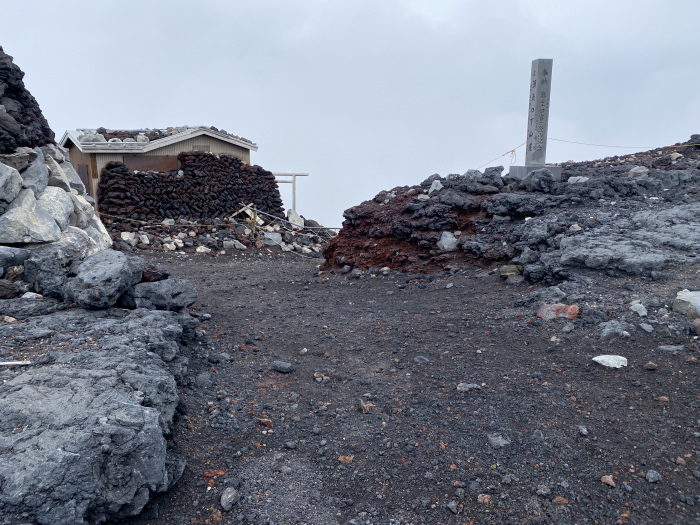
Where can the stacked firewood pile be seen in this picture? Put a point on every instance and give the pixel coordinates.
(206, 186)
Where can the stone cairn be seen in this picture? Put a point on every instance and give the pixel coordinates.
(88, 392)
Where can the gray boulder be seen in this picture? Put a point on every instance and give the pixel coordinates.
(57, 153)
(102, 278)
(170, 294)
(18, 160)
(73, 177)
(540, 180)
(92, 447)
(12, 256)
(600, 252)
(59, 205)
(46, 275)
(57, 177)
(10, 184)
(74, 244)
(85, 218)
(28, 223)
(273, 238)
(36, 177)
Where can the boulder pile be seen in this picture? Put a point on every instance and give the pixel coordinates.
(622, 215)
(207, 185)
(222, 236)
(21, 122)
(88, 392)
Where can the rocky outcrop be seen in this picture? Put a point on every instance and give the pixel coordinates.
(207, 185)
(600, 217)
(84, 429)
(21, 122)
(83, 438)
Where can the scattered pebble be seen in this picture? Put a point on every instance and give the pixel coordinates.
(229, 498)
(653, 476)
(651, 366)
(608, 480)
(283, 367)
(465, 387)
(421, 360)
(611, 361)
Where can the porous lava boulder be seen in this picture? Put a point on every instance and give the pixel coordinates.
(21, 122)
(598, 217)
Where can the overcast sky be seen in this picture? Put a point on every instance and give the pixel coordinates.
(366, 95)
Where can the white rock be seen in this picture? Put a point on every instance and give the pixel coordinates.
(611, 361)
(675, 156)
(129, 237)
(576, 180)
(435, 187)
(202, 249)
(575, 227)
(448, 242)
(687, 303)
(295, 219)
(639, 309)
(143, 239)
(638, 171)
(169, 246)
(179, 243)
(465, 387)
(32, 295)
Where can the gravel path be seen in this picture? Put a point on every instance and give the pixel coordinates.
(430, 400)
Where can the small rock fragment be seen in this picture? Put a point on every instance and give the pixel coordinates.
(608, 480)
(611, 361)
(651, 366)
(465, 387)
(229, 498)
(283, 367)
(639, 309)
(559, 500)
(483, 498)
(653, 476)
(695, 327)
(663, 399)
(638, 172)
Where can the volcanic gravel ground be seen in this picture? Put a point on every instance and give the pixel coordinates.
(370, 426)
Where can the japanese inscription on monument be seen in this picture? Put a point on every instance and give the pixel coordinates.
(538, 112)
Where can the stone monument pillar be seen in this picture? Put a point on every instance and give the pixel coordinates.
(537, 121)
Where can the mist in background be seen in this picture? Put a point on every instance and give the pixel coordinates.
(366, 95)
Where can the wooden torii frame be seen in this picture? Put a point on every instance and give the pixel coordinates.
(293, 182)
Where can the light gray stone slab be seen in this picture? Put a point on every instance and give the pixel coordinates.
(538, 111)
(10, 183)
(59, 205)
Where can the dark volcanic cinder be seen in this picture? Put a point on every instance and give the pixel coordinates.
(602, 214)
(21, 120)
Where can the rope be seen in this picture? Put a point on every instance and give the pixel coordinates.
(510, 152)
(625, 147)
(213, 225)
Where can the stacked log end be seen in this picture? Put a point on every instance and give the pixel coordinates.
(205, 186)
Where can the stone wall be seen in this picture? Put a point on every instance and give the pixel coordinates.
(206, 186)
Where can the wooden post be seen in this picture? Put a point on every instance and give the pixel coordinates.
(293, 182)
